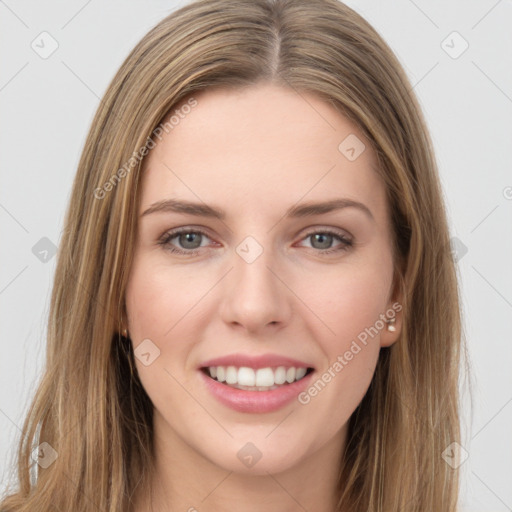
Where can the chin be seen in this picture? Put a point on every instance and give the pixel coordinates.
(257, 454)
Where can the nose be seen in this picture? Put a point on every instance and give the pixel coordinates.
(256, 296)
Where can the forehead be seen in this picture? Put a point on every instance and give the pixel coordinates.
(261, 146)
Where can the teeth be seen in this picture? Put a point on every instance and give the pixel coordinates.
(246, 377)
(231, 375)
(300, 373)
(264, 377)
(280, 375)
(261, 379)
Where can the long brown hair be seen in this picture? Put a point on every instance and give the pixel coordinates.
(90, 407)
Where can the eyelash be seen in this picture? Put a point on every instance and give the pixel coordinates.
(168, 236)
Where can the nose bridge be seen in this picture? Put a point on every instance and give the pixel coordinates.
(255, 296)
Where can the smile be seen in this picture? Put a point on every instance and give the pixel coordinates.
(261, 379)
(255, 399)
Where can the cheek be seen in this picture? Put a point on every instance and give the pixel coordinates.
(157, 297)
(349, 299)
(350, 304)
(163, 306)
(156, 300)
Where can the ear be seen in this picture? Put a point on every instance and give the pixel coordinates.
(394, 310)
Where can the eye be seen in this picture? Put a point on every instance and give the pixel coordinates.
(323, 240)
(189, 240)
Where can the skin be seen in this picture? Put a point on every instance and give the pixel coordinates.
(255, 152)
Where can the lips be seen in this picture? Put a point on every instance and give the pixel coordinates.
(277, 381)
(261, 379)
(255, 362)
(255, 401)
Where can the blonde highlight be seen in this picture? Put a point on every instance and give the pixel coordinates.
(90, 405)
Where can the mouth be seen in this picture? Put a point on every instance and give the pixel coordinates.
(261, 379)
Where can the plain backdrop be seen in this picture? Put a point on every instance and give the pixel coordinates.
(458, 56)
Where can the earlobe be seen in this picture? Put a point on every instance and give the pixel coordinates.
(123, 323)
(123, 331)
(394, 317)
(391, 331)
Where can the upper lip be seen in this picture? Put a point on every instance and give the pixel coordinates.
(255, 362)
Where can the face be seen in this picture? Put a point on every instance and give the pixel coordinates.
(256, 285)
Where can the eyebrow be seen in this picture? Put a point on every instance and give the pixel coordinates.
(301, 210)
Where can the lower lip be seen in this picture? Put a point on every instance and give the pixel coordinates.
(256, 401)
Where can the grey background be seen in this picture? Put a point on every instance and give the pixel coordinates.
(47, 107)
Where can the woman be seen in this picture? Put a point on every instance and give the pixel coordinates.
(255, 303)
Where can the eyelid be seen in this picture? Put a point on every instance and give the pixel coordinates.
(345, 237)
(172, 233)
(343, 233)
(346, 240)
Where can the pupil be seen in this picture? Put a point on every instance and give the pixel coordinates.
(323, 238)
(190, 238)
(193, 238)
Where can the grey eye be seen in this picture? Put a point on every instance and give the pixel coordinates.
(190, 240)
(324, 240)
